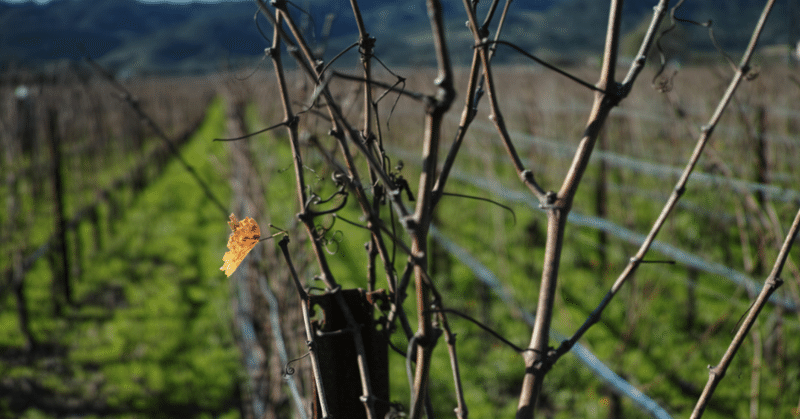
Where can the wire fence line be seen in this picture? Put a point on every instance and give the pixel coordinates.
(680, 256)
(660, 171)
(251, 350)
(280, 343)
(250, 280)
(584, 355)
(728, 130)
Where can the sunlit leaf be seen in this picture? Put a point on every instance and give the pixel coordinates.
(244, 237)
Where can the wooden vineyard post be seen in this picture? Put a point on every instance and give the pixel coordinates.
(13, 144)
(94, 217)
(17, 274)
(59, 256)
(337, 355)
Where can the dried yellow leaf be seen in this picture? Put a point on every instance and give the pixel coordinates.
(244, 237)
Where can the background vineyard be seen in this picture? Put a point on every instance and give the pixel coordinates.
(153, 328)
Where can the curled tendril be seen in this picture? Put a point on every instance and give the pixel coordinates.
(340, 178)
(334, 245)
(288, 370)
(664, 83)
(321, 230)
(313, 199)
(342, 191)
(328, 237)
(753, 73)
(334, 240)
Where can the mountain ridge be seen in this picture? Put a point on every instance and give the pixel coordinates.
(127, 35)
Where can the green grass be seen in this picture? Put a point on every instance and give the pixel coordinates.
(164, 345)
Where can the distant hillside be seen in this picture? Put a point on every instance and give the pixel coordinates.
(138, 37)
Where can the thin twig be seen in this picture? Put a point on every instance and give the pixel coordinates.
(496, 116)
(280, 124)
(375, 245)
(548, 65)
(426, 335)
(333, 60)
(472, 98)
(300, 184)
(480, 198)
(312, 348)
(659, 12)
(389, 87)
(467, 115)
(773, 281)
(486, 328)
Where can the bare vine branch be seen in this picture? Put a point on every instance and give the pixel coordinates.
(678, 190)
(426, 335)
(773, 281)
(558, 207)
